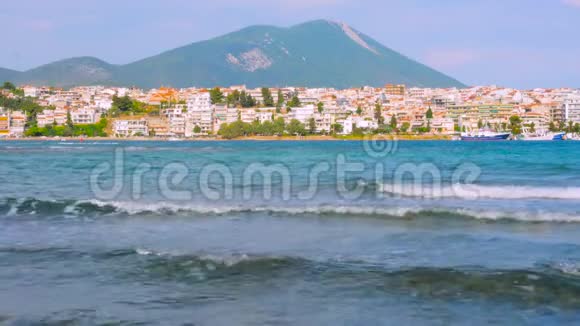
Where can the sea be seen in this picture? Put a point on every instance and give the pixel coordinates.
(375, 232)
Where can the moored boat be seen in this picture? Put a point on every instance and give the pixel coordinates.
(485, 136)
(544, 136)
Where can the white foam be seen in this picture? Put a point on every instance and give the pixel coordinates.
(135, 208)
(473, 192)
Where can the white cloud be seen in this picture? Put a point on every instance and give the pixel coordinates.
(573, 3)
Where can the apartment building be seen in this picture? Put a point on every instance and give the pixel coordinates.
(571, 108)
(84, 116)
(129, 128)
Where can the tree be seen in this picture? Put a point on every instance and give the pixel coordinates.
(479, 124)
(336, 128)
(312, 126)
(296, 127)
(279, 126)
(267, 95)
(516, 125)
(216, 95)
(8, 86)
(405, 127)
(197, 130)
(552, 126)
(123, 104)
(246, 100)
(429, 114)
(393, 122)
(294, 102)
(279, 101)
(358, 110)
(320, 107)
(69, 122)
(379, 114)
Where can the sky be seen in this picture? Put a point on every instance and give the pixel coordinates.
(512, 43)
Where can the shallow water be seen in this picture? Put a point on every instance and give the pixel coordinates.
(505, 248)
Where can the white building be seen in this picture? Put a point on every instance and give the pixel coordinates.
(84, 116)
(128, 128)
(17, 123)
(248, 115)
(572, 108)
(323, 122)
(302, 114)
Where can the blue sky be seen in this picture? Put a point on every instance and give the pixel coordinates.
(516, 43)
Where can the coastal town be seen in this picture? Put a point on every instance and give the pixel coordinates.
(238, 111)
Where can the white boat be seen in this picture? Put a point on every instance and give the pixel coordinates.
(174, 139)
(544, 136)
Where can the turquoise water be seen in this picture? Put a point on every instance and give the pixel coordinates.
(184, 232)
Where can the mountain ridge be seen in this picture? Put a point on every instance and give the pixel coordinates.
(318, 53)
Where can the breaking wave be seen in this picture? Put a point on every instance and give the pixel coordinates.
(96, 208)
(473, 192)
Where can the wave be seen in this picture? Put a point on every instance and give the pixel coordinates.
(555, 284)
(473, 192)
(97, 208)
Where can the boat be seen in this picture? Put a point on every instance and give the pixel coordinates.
(485, 135)
(174, 139)
(544, 136)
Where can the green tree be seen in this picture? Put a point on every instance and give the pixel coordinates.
(320, 107)
(246, 100)
(197, 130)
(279, 101)
(429, 114)
(379, 114)
(69, 122)
(516, 125)
(405, 126)
(267, 128)
(8, 86)
(123, 104)
(552, 126)
(312, 126)
(479, 124)
(358, 110)
(216, 95)
(279, 126)
(294, 102)
(336, 128)
(268, 98)
(295, 127)
(393, 122)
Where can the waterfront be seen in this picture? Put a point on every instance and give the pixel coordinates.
(505, 251)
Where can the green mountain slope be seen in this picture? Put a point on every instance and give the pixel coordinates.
(315, 54)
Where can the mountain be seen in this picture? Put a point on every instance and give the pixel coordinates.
(315, 54)
(7, 74)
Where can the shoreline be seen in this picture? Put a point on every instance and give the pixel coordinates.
(247, 138)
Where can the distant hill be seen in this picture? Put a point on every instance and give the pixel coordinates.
(316, 54)
(8, 75)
